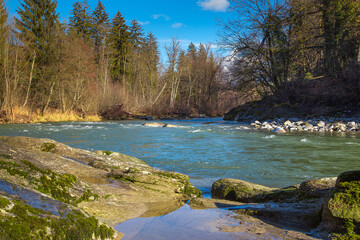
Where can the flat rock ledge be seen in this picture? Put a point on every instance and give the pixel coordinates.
(316, 125)
(327, 208)
(45, 185)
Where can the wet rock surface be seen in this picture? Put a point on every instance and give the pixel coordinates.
(327, 208)
(109, 186)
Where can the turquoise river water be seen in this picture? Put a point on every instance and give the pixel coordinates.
(209, 151)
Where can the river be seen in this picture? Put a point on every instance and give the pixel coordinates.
(209, 149)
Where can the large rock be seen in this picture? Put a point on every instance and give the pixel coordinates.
(341, 208)
(345, 202)
(316, 188)
(110, 186)
(238, 190)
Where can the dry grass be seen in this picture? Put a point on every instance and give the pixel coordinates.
(24, 115)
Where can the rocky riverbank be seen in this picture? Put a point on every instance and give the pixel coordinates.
(286, 117)
(50, 190)
(311, 125)
(325, 208)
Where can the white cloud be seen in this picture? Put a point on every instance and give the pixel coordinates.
(157, 16)
(214, 5)
(178, 25)
(144, 23)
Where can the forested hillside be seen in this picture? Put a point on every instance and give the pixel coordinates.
(94, 63)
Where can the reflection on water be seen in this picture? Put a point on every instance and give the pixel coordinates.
(183, 224)
(208, 152)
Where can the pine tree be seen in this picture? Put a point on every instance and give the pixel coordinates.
(136, 34)
(3, 18)
(119, 39)
(101, 26)
(81, 20)
(151, 59)
(37, 22)
(340, 30)
(39, 27)
(191, 51)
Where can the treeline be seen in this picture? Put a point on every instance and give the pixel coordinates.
(93, 63)
(283, 41)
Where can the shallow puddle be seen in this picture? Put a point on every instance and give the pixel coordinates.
(184, 223)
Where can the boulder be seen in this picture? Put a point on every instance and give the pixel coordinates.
(279, 130)
(321, 124)
(316, 188)
(288, 123)
(154, 124)
(341, 208)
(238, 190)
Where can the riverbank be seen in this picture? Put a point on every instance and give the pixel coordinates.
(115, 113)
(309, 125)
(24, 115)
(267, 114)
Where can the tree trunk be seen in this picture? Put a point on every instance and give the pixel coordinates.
(30, 80)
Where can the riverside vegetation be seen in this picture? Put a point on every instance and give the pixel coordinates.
(94, 67)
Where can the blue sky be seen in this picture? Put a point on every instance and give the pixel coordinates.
(187, 20)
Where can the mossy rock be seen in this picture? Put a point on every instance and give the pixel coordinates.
(47, 147)
(341, 212)
(351, 176)
(239, 190)
(22, 221)
(345, 202)
(316, 188)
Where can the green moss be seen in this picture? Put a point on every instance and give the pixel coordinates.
(190, 190)
(51, 183)
(151, 189)
(47, 147)
(6, 156)
(173, 175)
(86, 196)
(124, 178)
(106, 196)
(349, 231)
(107, 153)
(31, 166)
(13, 168)
(346, 201)
(32, 223)
(345, 205)
(56, 187)
(4, 202)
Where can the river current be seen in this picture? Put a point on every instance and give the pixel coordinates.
(210, 149)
